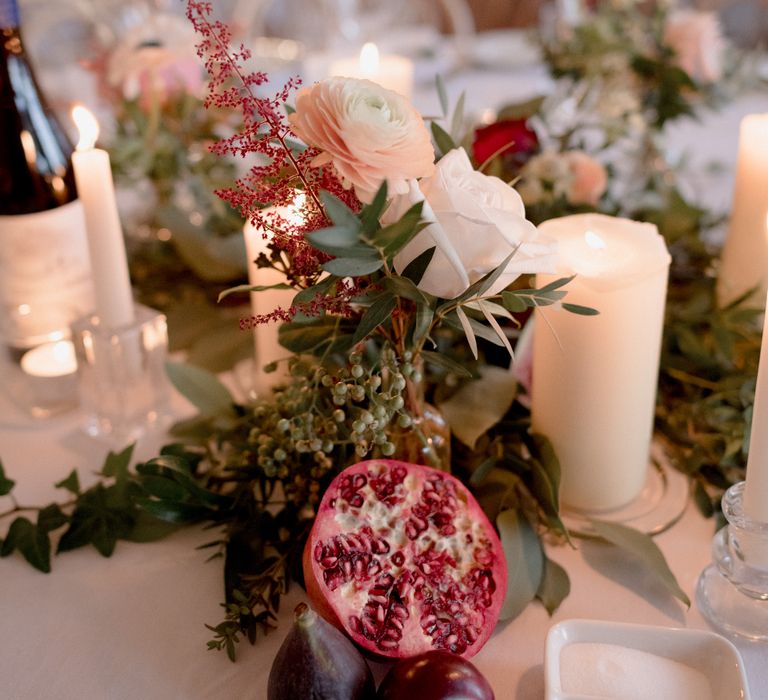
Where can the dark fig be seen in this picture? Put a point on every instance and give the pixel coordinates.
(317, 661)
(435, 675)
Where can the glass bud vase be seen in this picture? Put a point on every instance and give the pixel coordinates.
(427, 440)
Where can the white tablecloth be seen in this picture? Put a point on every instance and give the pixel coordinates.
(132, 626)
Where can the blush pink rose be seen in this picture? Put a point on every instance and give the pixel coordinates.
(698, 43)
(367, 133)
(588, 178)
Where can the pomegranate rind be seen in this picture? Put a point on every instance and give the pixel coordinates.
(403, 559)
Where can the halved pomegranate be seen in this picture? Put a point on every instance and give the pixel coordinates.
(402, 557)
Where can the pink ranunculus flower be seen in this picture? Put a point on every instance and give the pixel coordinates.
(698, 43)
(369, 134)
(476, 222)
(588, 178)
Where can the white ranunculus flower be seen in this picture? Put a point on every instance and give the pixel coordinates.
(477, 221)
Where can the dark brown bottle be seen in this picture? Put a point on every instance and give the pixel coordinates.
(44, 268)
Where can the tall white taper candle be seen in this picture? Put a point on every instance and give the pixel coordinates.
(109, 263)
(744, 263)
(756, 488)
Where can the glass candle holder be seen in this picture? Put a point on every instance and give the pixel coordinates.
(121, 375)
(732, 592)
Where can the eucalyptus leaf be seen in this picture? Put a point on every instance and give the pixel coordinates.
(243, 288)
(457, 120)
(353, 267)
(338, 212)
(442, 138)
(644, 548)
(415, 269)
(422, 323)
(376, 314)
(403, 287)
(442, 360)
(514, 302)
(580, 310)
(201, 388)
(371, 213)
(480, 404)
(555, 585)
(525, 562)
(442, 94)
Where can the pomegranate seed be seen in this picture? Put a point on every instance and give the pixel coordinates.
(355, 624)
(329, 562)
(387, 643)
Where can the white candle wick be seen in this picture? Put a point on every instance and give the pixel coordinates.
(369, 59)
(87, 127)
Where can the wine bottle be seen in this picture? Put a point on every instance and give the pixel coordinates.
(45, 279)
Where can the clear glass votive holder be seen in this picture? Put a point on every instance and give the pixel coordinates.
(122, 382)
(732, 592)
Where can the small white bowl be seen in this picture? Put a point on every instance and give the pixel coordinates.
(704, 651)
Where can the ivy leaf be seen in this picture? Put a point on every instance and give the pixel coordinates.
(95, 522)
(202, 388)
(353, 267)
(147, 528)
(31, 541)
(6, 485)
(70, 483)
(643, 547)
(117, 464)
(51, 518)
(525, 562)
(378, 312)
(555, 585)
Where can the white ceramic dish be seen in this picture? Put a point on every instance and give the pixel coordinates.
(707, 652)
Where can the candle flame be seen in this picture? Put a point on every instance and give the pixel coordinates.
(87, 127)
(369, 59)
(594, 241)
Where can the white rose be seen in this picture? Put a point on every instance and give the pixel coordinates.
(698, 43)
(477, 221)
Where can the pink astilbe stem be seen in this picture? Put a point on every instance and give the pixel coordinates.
(271, 185)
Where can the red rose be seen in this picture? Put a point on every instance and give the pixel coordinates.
(506, 137)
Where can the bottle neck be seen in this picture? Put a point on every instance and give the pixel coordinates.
(9, 14)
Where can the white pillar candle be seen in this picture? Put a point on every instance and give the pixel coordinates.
(744, 262)
(265, 335)
(595, 377)
(109, 264)
(756, 487)
(390, 71)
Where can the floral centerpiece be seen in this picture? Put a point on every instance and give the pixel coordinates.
(406, 263)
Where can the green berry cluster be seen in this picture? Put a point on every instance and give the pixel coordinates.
(325, 418)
